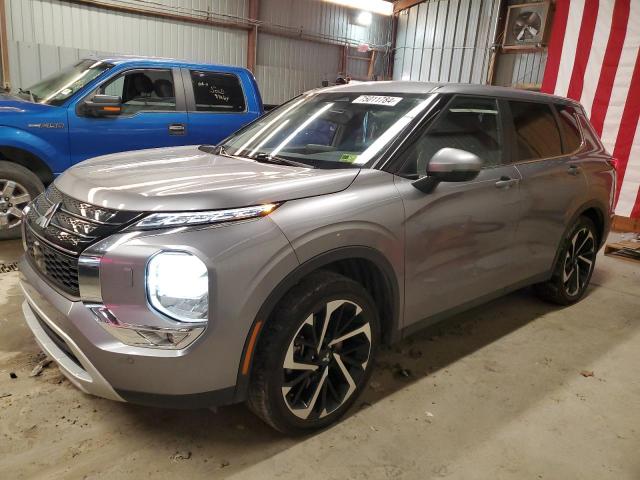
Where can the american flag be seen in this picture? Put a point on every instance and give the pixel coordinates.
(593, 58)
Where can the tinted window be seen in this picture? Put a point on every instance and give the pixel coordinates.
(536, 131)
(467, 123)
(217, 92)
(143, 90)
(570, 130)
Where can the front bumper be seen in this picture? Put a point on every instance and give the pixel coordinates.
(246, 261)
(97, 364)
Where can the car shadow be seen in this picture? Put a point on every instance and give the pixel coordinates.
(235, 434)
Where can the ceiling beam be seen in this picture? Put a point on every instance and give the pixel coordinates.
(400, 5)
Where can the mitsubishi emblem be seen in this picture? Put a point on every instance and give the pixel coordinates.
(44, 220)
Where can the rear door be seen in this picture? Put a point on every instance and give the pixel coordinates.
(153, 115)
(460, 237)
(218, 105)
(545, 146)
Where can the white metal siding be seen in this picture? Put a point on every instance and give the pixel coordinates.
(289, 67)
(445, 41)
(45, 35)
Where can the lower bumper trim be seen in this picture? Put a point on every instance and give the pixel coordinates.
(216, 398)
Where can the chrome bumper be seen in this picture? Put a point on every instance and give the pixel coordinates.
(82, 374)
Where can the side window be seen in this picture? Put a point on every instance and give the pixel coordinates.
(142, 90)
(536, 131)
(571, 138)
(467, 123)
(217, 92)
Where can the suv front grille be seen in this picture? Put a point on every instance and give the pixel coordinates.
(59, 228)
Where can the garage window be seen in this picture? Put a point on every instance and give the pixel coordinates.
(217, 92)
(537, 134)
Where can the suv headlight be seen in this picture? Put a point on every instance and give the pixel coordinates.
(187, 219)
(178, 286)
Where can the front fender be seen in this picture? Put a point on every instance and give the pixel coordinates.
(24, 140)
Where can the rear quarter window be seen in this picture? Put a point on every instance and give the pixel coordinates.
(571, 137)
(536, 131)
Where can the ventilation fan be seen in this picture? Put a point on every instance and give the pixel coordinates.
(527, 26)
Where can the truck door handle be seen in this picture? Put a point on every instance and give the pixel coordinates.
(506, 182)
(177, 129)
(573, 170)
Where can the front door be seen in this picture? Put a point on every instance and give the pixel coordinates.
(459, 237)
(153, 115)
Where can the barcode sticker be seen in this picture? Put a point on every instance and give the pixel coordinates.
(378, 100)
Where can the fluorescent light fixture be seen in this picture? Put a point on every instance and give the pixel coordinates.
(364, 19)
(374, 6)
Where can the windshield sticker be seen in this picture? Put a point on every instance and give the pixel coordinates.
(348, 157)
(378, 100)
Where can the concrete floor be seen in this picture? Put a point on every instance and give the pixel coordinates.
(495, 394)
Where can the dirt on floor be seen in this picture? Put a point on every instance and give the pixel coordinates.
(511, 390)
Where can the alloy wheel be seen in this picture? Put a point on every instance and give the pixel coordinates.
(13, 198)
(326, 360)
(578, 261)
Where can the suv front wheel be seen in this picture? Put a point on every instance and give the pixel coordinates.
(315, 355)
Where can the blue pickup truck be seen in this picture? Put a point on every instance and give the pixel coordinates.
(112, 104)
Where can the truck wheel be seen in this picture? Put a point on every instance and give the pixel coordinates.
(18, 186)
(315, 355)
(574, 267)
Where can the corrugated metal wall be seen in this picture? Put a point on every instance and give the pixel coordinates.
(445, 41)
(521, 69)
(45, 35)
(285, 66)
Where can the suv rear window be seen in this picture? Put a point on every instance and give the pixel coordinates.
(217, 92)
(536, 131)
(571, 138)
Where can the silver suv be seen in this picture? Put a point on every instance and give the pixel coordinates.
(270, 268)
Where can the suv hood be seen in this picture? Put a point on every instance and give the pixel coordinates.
(187, 178)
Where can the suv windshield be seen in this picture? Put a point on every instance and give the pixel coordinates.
(328, 130)
(57, 88)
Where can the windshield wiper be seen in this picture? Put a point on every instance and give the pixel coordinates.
(267, 158)
(27, 92)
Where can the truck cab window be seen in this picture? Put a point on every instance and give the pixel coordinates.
(143, 90)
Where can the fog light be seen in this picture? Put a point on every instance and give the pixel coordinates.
(144, 336)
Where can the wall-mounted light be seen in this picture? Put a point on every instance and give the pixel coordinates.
(381, 7)
(364, 19)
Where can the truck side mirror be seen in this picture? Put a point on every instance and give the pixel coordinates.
(449, 165)
(102, 106)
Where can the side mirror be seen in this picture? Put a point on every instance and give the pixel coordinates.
(449, 165)
(103, 106)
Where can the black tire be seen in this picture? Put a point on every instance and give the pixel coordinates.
(23, 182)
(288, 336)
(563, 288)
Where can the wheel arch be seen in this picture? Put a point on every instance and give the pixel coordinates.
(364, 264)
(596, 212)
(28, 160)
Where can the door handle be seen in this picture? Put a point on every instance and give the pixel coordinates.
(506, 182)
(177, 129)
(573, 170)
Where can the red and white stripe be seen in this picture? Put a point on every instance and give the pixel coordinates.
(593, 58)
